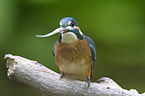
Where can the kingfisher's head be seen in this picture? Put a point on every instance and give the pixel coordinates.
(67, 21)
(69, 31)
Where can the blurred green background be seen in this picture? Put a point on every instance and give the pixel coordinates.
(116, 27)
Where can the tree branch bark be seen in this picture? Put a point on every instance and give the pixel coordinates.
(48, 83)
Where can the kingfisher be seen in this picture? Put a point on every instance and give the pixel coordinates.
(74, 52)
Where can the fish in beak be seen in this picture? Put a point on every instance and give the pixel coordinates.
(56, 31)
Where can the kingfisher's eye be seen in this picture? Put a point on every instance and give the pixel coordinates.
(72, 24)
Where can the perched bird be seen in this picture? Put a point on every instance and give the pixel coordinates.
(74, 53)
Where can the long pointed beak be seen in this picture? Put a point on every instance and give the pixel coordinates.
(55, 31)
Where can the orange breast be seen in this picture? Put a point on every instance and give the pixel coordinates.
(74, 59)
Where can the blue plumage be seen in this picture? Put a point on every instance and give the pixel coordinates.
(92, 50)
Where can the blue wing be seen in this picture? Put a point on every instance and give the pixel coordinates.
(53, 49)
(92, 50)
(59, 39)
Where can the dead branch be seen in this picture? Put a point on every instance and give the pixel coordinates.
(48, 83)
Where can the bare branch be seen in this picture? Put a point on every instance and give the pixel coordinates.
(48, 83)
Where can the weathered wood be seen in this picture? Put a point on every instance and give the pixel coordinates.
(49, 84)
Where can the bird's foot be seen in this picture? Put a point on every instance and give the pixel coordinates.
(87, 85)
(61, 76)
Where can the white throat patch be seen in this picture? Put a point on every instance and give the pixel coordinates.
(69, 37)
